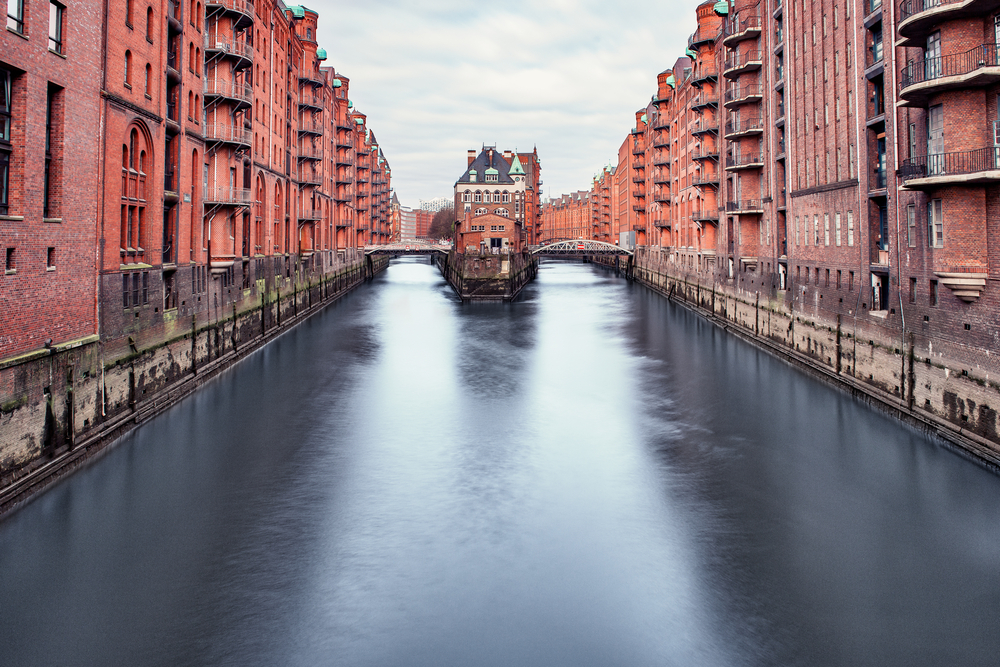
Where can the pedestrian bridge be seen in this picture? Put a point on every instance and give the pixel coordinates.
(408, 248)
(578, 248)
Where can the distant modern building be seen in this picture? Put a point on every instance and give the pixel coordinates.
(435, 204)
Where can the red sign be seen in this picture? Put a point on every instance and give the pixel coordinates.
(579, 246)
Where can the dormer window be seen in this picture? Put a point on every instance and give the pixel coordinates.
(472, 177)
(491, 178)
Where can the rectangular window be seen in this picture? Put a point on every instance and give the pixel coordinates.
(797, 224)
(15, 16)
(126, 293)
(816, 229)
(836, 222)
(850, 281)
(827, 283)
(5, 145)
(838, 278)
(911, 226)
(933, 293)
(11, 265)
(913, 140)
(850, 229)
(826, 229)
(935, 224)
(56, 27)
(50, 259)
(913, 290)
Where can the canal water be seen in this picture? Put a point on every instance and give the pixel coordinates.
(589, 476)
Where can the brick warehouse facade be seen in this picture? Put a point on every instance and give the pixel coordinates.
(825, 176)
(167, 168)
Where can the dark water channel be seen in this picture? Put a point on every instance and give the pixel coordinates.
(590, 476)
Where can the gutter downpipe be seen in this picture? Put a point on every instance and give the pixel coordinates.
(899, 268)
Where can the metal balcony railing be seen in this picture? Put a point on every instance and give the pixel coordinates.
(739, 26)
(744, 92)
(744, 125)
(928, 69)
(908, 8)
(310, 126)
(228, 133)
(229, 46)
(745, 160)
(745, 206)
(229, 89)
(739, 59)
(949, 164)
(227, 195)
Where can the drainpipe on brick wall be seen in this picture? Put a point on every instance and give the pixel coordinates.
(102, 142)
(899, 267)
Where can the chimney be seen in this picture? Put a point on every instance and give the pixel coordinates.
(507, 155)
(472, 157)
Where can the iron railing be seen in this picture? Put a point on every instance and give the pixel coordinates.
(739, 59)
(947, 164)
(928, 69)
(229, 89)
(746, 91)
(233, 134)
(745, 160)
(739, 25)
(745, 206)
(741, 125)
(908, 8)
(227, 195)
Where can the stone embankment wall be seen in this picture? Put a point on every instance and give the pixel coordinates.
(942, 387)
(59, 406)
(487, 277)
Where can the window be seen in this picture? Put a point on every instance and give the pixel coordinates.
(55, 27)
(826, 229)
(913, 290)
(816, 229)
(506, 197)
(933, 293)
(50, 259)
(503, 212)
(836, 222)
(11, 265)
(5, 144)
(827, 283)
(798, 226)
(478, 198)
(128, 13)
(128, 69)
(850, 228)
(496, 197)
(481, 211)
(133, 199)
(15, 16)
(850, 281)
(149, 25)
(935, 224)
(149, 77)
(911, 226)
(838, 278)
(467, 196)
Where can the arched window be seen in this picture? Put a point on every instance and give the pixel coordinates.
(496, 197)
(128, 12)
(197, 60)
(190, 105)
(133, 196)
(506, 197)
(276, 239)
(128, 68)
(467, 196)
(149, 24)
(195, 199)
(197, 16)
(478, 197)
(481, 211)
(191, 56)
(503, 212)
(197, 107)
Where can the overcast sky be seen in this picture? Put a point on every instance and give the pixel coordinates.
(437, 78)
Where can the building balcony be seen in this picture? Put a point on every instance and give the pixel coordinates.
(745, 207)
(704, 73)
(661, 178)
(661, 224)
(738, 63)
(919, 18)
(747, 94)
(975, 167)
(312, 78)
(707, 128)
(638, 179)
(744, 161)
(225, 196)
(227, 134)
(239, 94)
(705, 215)
(705, 153)
(744, 127)
(310, 179)
(782, 200)
(310, 153)
(702, 37)
(343, 195)
(222, 46)
(923, 78)
(310, 127)
(661, 160)
(740, 28)
(239, 11)
(309, 215)
(311, 102)
(703, 179)
(703, 100)
(661, 195)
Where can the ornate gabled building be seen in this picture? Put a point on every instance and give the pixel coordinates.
(491, 201)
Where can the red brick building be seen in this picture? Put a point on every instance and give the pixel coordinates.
(208, 148)
(492, 201)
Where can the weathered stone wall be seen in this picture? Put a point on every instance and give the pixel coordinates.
(487, 277)
(930, 383)
(60, 406)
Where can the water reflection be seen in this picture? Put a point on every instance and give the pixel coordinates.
(589, 476)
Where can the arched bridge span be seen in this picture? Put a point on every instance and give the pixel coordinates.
(579, 248)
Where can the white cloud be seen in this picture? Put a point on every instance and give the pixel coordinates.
(438, 78)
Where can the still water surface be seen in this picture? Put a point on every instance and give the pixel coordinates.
(589, 476)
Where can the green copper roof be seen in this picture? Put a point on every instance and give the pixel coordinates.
(691, 54)
(643, 118)
(320, 54)
(671, 82)
(350, 104)
(491, 170)
(515, 167)
(721, 8)
(359, 121)
(297, 11)
(337, 83)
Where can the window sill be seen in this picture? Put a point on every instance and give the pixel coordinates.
(12, 218)
(58, 53)
(15, 32)
(149, 39)
(128, 25)
(10, 272)
(148, 96)
(50, 268)
(54, 220)
(128, 85)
